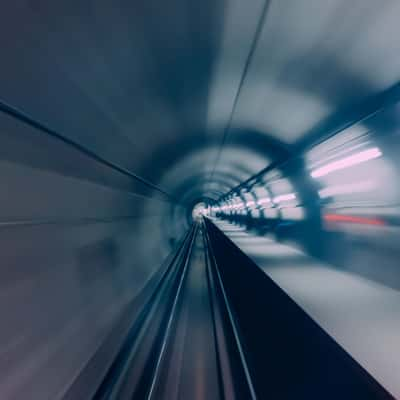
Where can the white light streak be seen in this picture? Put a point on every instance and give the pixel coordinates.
(284, 197)
(346, 162)
(264, 200)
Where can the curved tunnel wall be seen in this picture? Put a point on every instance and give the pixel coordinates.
(117, 118)
(79, 242)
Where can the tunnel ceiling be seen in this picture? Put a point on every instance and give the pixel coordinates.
(197, 95)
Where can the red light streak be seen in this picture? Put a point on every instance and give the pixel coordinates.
(353, 219)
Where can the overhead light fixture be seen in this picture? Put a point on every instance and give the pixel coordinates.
(346, 162)
(284, 197)
(264, 200)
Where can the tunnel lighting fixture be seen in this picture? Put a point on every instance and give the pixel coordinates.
(284, 197)
(264, 200)
(346, 162)
(239, 206)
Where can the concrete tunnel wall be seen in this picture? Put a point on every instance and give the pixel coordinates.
(117, 118)
(79, 241)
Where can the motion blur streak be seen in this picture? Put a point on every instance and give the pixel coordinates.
(349, 188)
(353, 219)
(354, 159)
(200, 199)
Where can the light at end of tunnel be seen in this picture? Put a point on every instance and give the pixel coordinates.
(346, 162)
(199, 211)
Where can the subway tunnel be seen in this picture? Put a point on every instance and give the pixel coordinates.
(200, 200)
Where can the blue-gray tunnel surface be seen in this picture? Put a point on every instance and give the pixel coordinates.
(200, 200)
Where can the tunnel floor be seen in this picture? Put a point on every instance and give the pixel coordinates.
(188, 362)
(213, 325)
(180, 344)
